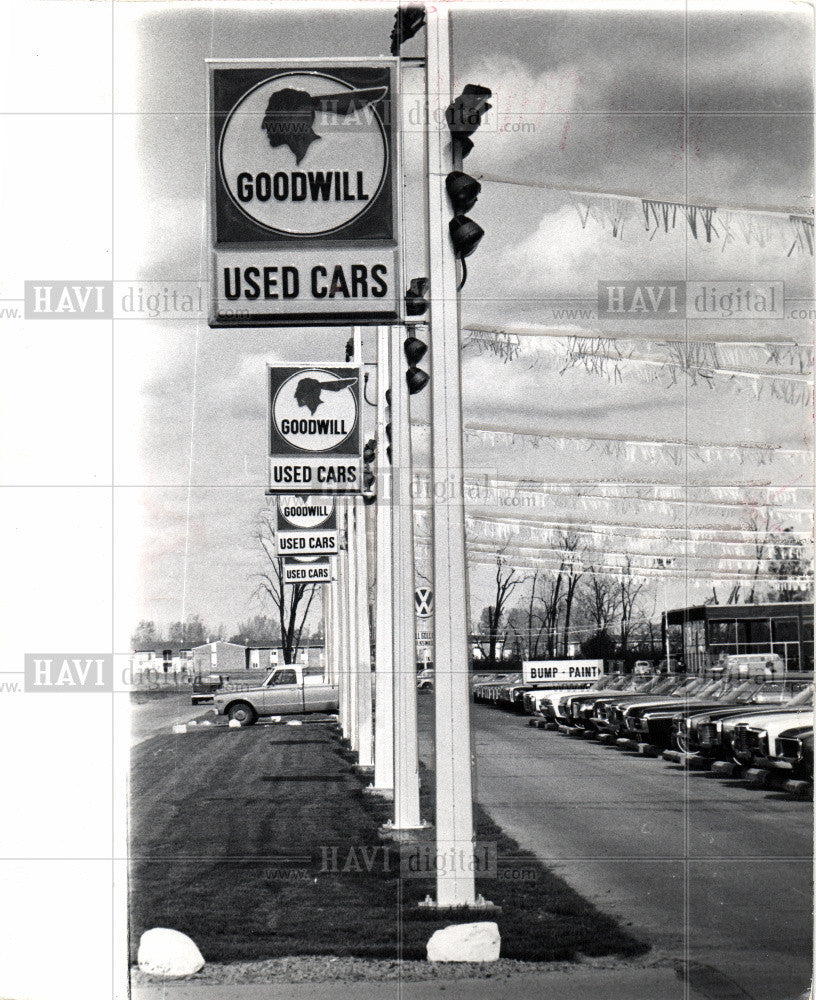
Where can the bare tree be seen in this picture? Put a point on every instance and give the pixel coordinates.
(789, 561)
(600, 600)
(761, 528)
(549, 598)
(532, 620)
(630, 588)
(506, 582)
(570, 565)
(292, 600)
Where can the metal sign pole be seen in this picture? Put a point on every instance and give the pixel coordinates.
(328, 658)
(365, 757)
(342, 630)
(406, 756)
(454, 783)
(335, 620)
(351, 622)
(384, 675)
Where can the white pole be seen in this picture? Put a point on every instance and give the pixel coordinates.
(364, 734)
(342, 715)
(351, 621)
(384, 626)
(328, 652)
(454, 782)
(406, 755)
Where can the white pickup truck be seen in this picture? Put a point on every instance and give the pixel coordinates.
(286, 691)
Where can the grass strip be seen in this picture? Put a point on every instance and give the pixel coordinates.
(253, 868)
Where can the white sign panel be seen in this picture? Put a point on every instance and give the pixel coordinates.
(304, 168)
(316, 570)
(558, 671)
(255, 287)
(306, 543)
(314, 430)
(424, 636)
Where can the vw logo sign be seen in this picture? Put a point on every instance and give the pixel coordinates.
(315, 410)
(423, 599)
(304, 154)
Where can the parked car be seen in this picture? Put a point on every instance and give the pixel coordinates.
(708, 733)
(539, 700)
(425, 679)
(794, 750)
(609, 714)
(205, 686)
(754, 740)
(556, 709)
(588, 713)
(489, 691)
(286, 691)
(654, 723)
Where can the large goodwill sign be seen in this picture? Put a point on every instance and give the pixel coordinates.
(558, 671)
(303, 175)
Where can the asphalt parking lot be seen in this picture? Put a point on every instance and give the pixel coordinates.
(706, 868)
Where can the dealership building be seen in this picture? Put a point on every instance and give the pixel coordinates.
(702, 634)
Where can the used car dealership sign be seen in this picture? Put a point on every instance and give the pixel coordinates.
(307, 569)
(314, 429)
(303, 192)
(307, 525)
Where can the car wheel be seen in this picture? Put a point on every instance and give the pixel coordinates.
(242, 712)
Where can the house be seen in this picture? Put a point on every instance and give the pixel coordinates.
(219, 657)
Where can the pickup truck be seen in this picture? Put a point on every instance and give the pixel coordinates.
(286, 691)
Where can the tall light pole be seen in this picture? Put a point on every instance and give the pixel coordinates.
(454, 783)
(406, 752)
(365, 758)
(384, 669)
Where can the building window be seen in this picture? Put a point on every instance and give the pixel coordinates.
(785, 629)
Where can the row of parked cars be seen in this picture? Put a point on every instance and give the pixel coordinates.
(760, 721)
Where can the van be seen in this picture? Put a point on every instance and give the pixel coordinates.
(752, 666)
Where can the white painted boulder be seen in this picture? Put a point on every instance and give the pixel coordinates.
(168, 953)
(477, 942)
(234, 724)
(179, 729)
(294, 722)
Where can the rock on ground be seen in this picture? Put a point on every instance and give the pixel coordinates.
(164, 952)
(476, 942)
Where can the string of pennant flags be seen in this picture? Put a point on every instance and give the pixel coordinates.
(542, 537)
(714, 502)
(619, 565)
(789, 231)
(675, 453)
(680, 535)
(744, 367)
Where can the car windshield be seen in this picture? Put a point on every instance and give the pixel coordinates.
(804, 696)
(777, 692)
(682, 685)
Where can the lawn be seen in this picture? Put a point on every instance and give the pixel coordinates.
(260, 843)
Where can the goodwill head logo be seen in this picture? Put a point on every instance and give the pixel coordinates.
(335, 130)
(315, 410)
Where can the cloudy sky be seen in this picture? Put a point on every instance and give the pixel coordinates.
(711, 109)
